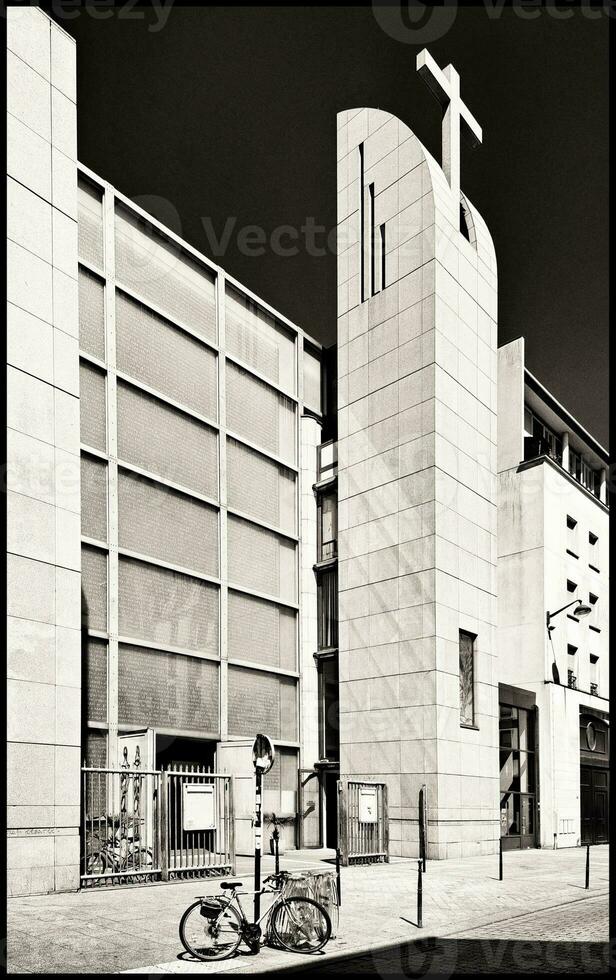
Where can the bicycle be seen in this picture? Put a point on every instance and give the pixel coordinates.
(213, 927)
(120, 851)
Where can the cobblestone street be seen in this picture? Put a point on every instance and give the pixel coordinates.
(550, 923)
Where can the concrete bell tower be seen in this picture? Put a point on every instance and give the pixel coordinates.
(417, 338)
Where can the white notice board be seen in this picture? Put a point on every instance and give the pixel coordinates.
(199, 806)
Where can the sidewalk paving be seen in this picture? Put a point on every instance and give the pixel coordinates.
(135, 929)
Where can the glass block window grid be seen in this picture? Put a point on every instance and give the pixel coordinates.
(167, 690)
(254, 336)
(261, 632)
(157, 521)
(90, 224)
(158, 270)
(155, 605)
(165, 358)
(93, 588)
(167, 607)
(95, 679)
(92, 406)
(312, 380)
(275, 503)
(259, 414)
(93, 498)
(260, 560)
(262, 702)
(91, 314)
(160, 439)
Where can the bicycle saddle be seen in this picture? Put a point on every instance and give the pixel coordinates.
(231, 884)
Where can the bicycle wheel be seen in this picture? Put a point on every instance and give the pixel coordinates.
(301, 925)
(210, 939)
(96, 863)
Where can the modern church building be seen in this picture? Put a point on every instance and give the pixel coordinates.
(390, 556)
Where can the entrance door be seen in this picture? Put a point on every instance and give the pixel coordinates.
(594, 800)
(309, 808)
(331, 809)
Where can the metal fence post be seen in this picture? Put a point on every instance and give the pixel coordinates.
(343, 838)
(163, 835)
(338, 881)
(587, 884)
(419, 895)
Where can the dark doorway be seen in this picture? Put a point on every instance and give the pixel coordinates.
(330, 781)
(594, 799)
(172, 751)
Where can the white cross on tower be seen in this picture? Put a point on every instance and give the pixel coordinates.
(445, 85)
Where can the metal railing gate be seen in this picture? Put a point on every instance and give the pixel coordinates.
(363, 822)
(149, 825)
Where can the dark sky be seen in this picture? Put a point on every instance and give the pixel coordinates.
(230, 112)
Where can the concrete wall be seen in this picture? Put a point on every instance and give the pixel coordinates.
(43, 560)
(310, 437)
(417, 490)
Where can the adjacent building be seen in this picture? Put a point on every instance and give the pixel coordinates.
(216, 527)
(553, 676)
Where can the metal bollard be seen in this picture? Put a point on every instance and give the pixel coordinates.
(338, 883)
(500, 859)
(419, 894)
(587, 885)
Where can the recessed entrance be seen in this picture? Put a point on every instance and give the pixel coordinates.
(594, 779)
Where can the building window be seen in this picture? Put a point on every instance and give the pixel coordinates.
(517, 771)
(373, 289)
(572, 537)
(539, 440)
(329, 725)
(594, 674)
(327, 527)
(571, 586)
(327, 609)
(592, 538)
(467, 678)
(383, 247)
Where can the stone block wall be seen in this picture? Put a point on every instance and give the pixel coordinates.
(43, 478)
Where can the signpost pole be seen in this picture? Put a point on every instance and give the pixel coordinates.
(258, 786)
(263, 756)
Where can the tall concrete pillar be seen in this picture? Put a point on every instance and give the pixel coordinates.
(417, 487)
(43, 466)
(565, 443)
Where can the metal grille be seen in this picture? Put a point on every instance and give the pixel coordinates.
(363, 822)
(165, 358)
(93, 588)
(198, 852)
(164, 441)
(90, 224)
(94, 679)
(167, 690)
(259, 414)
(260, 560)
(272, 702)
(92, 407)
(275, 502)
(167, 607)
(262, 632)
(93, 498)
(253, 335)
(165, 524)
(91, 314)
(159, 271)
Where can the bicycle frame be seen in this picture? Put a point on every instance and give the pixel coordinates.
(235, 897)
